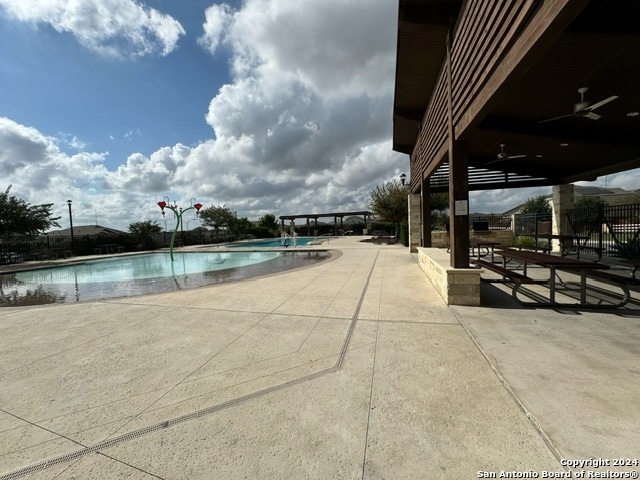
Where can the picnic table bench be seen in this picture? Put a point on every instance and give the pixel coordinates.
(634, 262)
(508, 276)
(556, 263)
(571, 244)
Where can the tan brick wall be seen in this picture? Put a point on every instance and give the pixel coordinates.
(504, 237)
(457, 286)
(415, 218)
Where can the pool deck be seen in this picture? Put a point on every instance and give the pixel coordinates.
(352, 369)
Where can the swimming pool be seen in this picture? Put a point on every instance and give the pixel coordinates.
(277, 242)
(133, 275)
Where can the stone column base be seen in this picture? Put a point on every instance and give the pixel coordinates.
(457, 286)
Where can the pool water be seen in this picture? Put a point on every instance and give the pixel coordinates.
(275, 242)
(133, 275)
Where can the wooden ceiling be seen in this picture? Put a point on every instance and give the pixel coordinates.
(599, 50)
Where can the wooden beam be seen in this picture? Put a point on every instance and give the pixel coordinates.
(409, 113)
(548, 23)
(593, 174)
(427, 15)
(459, 204)
(581, 131)
(403, 148)
(458, 183)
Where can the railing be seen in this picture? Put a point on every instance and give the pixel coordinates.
(22, 248)
(532, 224)
(614, 230)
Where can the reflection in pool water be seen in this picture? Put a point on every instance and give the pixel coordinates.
(141, 274)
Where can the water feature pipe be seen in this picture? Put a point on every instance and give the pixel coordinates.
(177, 213)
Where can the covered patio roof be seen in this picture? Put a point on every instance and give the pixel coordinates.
(533, 100)
(316, 216)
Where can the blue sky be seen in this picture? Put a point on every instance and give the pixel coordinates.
(265, 106)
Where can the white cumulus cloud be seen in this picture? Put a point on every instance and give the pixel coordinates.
(110, 27)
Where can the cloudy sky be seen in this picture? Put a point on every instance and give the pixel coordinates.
(265, 106)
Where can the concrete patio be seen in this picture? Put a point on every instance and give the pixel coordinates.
(352, 369)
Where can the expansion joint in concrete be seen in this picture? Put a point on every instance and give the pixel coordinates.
(111, 442)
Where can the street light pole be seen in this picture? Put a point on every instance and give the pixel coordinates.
(71, 226)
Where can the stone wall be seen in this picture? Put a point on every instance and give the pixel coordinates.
(457, 286)
(415, 224)
(504, 237)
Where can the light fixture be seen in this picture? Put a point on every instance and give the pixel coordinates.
(69, 202)
(633, 114)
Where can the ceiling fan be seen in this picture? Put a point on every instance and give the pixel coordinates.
(584, 108)
(502, 156)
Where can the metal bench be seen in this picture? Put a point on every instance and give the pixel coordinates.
(511, 277)
(634, 262)
(508, 276)
(620, 281)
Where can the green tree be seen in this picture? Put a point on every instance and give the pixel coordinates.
(589, 203)
(241, 226)
(439, 211)
(18, 217)
(217, 217)
(439, 201)
(539, 205)
(143, 232)
(269, 222)
(389, 202)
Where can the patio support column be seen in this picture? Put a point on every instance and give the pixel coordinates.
(426, 213)
(414, 221)
(562, 203)
(459, 203)
(458, 180)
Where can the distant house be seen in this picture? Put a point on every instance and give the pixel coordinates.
(86, 230)
(612, 196)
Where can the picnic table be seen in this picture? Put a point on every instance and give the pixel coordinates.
(484, 249)
(570, 244)
(555, 263)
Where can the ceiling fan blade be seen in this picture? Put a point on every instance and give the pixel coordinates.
(503, 159)
(603, 102)
(495, 161)
(592, 116)
(556, 118)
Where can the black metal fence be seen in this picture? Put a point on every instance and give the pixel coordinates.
(612, 229)
(21, 248)
(609, 230)
(532, 224)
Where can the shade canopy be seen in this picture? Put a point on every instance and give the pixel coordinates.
(560, 102)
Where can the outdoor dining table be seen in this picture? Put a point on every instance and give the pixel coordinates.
(553, 263)
(568, 243)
